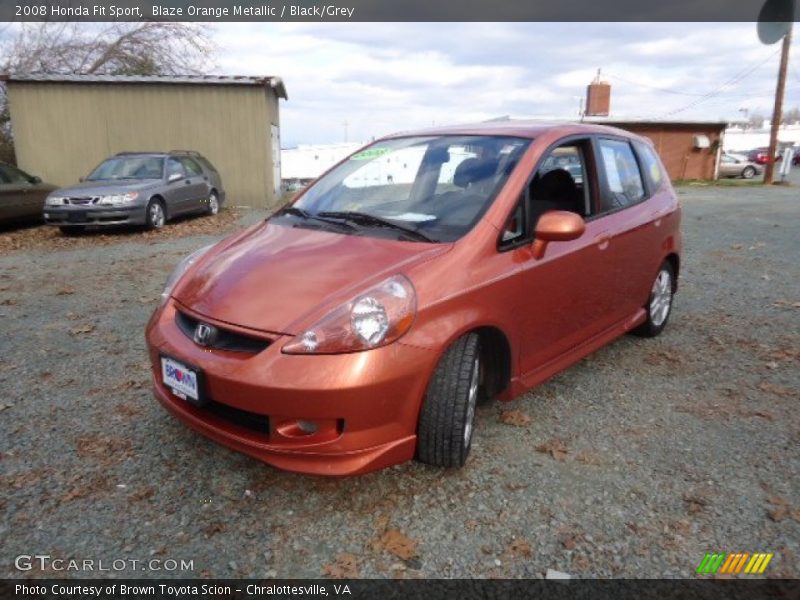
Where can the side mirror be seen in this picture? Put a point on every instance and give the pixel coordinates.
(35, 180)
(174, 177)
(556, 226)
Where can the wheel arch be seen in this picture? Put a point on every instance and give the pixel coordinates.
(496, 351)
(160, 198)
(675, 262)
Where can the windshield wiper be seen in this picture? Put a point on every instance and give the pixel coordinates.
(367, 219)
(296, 211)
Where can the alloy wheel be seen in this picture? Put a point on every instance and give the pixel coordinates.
(213, 204)
(661, 298)
(156, 215)
(472, 400)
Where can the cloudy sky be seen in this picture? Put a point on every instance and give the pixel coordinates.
(387, 77)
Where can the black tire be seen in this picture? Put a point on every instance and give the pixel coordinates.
(73, 230)
(444, 433)
(656, 319)
(213, 203)
(152, 221)
(748, 173)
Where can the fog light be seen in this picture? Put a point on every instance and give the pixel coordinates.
(307, 427)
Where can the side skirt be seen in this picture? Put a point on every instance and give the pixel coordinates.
(520, 385)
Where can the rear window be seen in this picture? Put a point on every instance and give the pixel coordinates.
(623, 179)
(205, 162)
(651, 165)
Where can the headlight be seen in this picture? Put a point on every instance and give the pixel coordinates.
(372, 319)
(182, 267)
(54, 200)
(118, 199)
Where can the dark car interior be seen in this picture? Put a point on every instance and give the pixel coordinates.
(556, 188)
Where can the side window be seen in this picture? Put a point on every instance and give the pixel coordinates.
(191, 166)
(561, 182)
(515, 227)
(624, 184)
(9, 174)
(174, 167)
(651, 165)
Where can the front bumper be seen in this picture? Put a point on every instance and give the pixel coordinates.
(83, 215)
(365, 405)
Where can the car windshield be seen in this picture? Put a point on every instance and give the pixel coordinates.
(419, 188)
(129, 167)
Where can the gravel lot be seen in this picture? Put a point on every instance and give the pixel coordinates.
(634, 462)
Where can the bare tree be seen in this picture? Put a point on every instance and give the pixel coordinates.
(149, 48)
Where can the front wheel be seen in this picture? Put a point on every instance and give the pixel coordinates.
(155, 218)
(444, 433)
(659, 305)
(748, 172)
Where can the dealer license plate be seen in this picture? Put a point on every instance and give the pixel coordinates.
(181, 379)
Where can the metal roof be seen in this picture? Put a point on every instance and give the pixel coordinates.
(652, 121)
(275, 83)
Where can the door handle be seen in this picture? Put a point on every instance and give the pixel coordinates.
(602, 240)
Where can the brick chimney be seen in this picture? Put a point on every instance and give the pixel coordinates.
(598, 98)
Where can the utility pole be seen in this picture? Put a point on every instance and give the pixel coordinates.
(777, 112)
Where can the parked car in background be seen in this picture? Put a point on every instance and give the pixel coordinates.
(736, 165)
(22, 195)
(359, 326)
(138, 188)
(759, 156)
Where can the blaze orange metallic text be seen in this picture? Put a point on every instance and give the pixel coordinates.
(358, 327)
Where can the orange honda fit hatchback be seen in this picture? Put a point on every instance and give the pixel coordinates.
(358, 327)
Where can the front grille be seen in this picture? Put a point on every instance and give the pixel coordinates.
(237, 416)
(84, 201)
(225, 339)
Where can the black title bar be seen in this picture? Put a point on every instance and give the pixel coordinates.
(382, 10)
(430, 589)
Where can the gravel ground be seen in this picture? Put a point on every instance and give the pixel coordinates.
(635, 462)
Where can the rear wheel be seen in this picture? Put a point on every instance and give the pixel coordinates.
(213, 203)
(748, 172)
(444, 433)
(155, 217)
(659, 305)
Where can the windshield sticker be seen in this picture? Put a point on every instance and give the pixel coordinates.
(370, 153)
(413, 217)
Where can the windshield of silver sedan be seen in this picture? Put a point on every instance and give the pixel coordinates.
(129, 167)
(424, 189)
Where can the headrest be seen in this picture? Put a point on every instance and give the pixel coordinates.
(555, 184)
(471, 171)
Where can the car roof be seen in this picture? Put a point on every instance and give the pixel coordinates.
(517, 128)
(160, 153)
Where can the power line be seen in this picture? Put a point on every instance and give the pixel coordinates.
(741, 75)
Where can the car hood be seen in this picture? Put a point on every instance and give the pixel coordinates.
(281, 279)
(108, 186)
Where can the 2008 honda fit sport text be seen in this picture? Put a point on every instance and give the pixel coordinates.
(359, 326)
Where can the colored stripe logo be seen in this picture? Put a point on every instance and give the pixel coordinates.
(735, 563)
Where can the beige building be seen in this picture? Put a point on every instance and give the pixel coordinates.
(64, 125)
